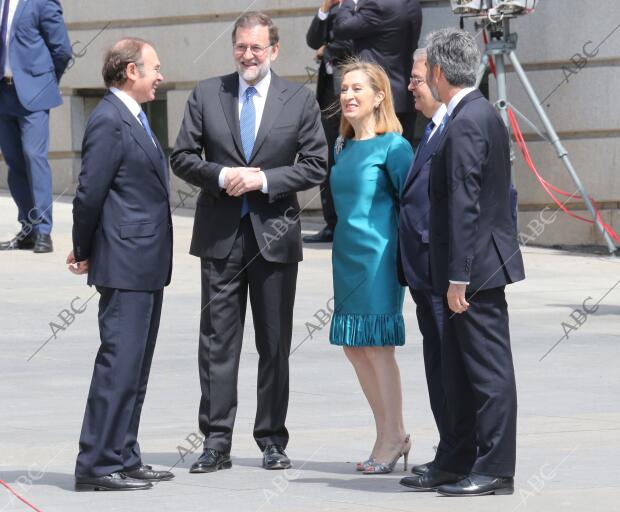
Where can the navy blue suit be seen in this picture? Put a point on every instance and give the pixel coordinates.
(39, 51)
(122, 225)
(414, 271)
(473, 239)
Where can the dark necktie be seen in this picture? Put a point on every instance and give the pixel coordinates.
(427, 133)
(247, 126)
(4, 25)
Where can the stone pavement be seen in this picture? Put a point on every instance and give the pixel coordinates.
(569, 403)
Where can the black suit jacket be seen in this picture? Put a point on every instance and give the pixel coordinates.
(415, 206)
(321, 33)
(290, 149)
(385, 32)
(121, 212)
(472, 235)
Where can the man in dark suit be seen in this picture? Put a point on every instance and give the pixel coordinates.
(330, 53)
(34, 53)
(262, 141)
(385, 32)
(474, 254)
(122, 236)
(414, 250)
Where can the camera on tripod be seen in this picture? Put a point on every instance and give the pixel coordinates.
(492, 7)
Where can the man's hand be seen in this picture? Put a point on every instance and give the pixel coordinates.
(328, 4)
(456, 298)
(319, 54)
(240, 180)
(76, 267)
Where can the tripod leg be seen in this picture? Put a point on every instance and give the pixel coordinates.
(484, 64)
(559, 148)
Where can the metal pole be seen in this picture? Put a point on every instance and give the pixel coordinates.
(557, 144)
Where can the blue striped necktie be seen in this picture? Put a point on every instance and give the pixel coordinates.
(247, 125)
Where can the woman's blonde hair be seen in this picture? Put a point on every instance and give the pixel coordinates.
(385, 116)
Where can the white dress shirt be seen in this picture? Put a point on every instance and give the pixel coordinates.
(12, 8)
(259, 99)
(133, 106)
(456, 99)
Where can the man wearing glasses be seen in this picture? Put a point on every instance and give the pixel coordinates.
(262, 141)
(414, 268)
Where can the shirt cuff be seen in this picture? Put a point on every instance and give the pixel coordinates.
(458, 282)
(222, 177)
(322, 15)
(264, 189)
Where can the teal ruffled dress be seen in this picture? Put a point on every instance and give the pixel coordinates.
(366, 183)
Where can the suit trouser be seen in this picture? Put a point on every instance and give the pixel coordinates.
(480, 386)
(128, 323)
(225, 284)
(431, 313)
(24, 141)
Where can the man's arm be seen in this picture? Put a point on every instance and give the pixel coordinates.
(186, 158)
(311, 166)
(350, 23)
(466, 149)
(101, 158)
(54, 33)
(317, 33)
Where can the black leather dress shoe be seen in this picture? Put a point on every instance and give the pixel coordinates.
(274, 457)
(43, 243)
(114, 482)
(20, 241)
(325, 236)
(430, 480)
(146, 472)
(420, 469)
(478, 485)
(211, 460)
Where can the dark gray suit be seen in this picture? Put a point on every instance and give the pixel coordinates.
(122, 225)
(259, 252)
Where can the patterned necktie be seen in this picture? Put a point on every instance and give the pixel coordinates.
(444, 122)
(145, 124)
(247, 125)
(4, 24)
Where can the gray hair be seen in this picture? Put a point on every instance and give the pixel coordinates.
(420, 53)
(456, 53)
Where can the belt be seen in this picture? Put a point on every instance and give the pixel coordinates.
(8, 80)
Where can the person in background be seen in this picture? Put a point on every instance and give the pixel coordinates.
(330, 53)
(372, 160)
(385, 32)
(34, 53)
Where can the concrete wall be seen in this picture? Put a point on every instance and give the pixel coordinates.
(193, 42)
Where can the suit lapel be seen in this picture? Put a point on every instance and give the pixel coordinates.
(139, 134)
(18, 12)
(425, 152)
(229, 97)
(273, 106)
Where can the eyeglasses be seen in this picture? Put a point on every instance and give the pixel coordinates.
(156, 69)
(416, 82)
(256, 49)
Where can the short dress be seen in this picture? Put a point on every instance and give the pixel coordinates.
(366, 184)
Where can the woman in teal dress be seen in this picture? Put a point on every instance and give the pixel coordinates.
(371, 164)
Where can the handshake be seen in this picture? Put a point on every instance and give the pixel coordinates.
(239, 180)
